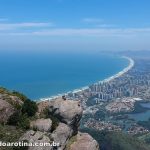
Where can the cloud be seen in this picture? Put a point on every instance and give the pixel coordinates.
(76, 32)
(94, 32)
(92, 20)
(75, 38)
(11, 26)
(96, 22)
(44, 29)
(105, 25)
(98, 32)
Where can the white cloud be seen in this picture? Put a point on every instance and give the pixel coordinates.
(96, 22)
(97, 32)
(11, 26)
(92, 20)
(105, 25)
(94, 32)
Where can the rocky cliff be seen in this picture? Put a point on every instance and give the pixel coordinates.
(8, 105)
(52, 121)
(62, 119)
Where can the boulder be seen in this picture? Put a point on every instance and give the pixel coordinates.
(36, 137)
(84, 142)
(67, 111)
(61, 135)
(16, 100)
(8, 106)
(42, 105)
(6, 110)
(59, 130)
(43, 125)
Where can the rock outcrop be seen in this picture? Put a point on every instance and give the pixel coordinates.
(61, 135)
(67, 111)
(6, 110)
(61, 124)
(36, 137)
(43, 125)
(15, 100)
(84, 142)
(52, 128)
(7, 106)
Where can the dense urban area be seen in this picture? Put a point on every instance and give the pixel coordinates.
(122, 104)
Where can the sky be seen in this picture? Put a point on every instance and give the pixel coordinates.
(74, 25)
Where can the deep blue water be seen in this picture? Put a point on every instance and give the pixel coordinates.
(44, 74)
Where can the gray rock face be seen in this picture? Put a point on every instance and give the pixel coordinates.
(7, 106)
(68, 114)
(6, 110)
(16, 100)
(43, 125)
(65, 118)
(36, 137)
(61, 135)
(84, 142)
(67, 111)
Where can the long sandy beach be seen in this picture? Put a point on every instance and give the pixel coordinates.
(131, 64)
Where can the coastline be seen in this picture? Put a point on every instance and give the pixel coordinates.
(131, 64)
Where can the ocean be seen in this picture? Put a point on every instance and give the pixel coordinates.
(44, 74)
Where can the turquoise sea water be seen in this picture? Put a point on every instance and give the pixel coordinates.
(44, 74)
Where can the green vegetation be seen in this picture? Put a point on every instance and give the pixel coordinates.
(99, 115)
(22, 117)
(55, 121)
(20, 95)
(145, 138)
(13, 93)
(4, 91)
(15, 118)
(29, 107)
(116, 140)
(6, 94)
(71, 141)
(23, 111)
(24, 122)
(9, 134)
(19, 122)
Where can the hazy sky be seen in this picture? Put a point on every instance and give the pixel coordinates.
(75, 25)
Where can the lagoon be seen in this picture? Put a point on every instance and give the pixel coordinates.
(143, 116)
(145, 105)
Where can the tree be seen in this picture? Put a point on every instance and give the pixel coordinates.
(29, 107)
(14, 118)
